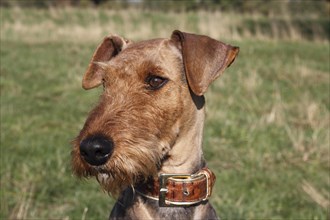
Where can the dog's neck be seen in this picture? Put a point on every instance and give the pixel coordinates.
(186, 155)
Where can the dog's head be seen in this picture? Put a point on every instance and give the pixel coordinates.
(152, 90)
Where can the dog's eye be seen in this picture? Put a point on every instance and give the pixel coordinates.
(155, 82)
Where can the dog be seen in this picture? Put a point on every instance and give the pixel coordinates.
(143, 140)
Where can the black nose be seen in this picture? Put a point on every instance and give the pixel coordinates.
(96, 150)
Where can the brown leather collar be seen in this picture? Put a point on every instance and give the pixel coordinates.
(180, 189)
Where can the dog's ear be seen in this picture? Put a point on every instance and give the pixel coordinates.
(204, 58)
(110, 47)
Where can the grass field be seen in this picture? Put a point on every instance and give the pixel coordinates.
(267, 128)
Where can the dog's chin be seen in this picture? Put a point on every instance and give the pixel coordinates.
(104, 180)
(114, 186)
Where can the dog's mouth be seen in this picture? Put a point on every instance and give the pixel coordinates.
(102, 174)
(103, 178)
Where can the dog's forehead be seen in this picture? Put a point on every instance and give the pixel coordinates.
(146, 44)
(152, 53)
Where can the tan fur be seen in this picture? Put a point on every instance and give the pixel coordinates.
(153, 131)
(141, 138)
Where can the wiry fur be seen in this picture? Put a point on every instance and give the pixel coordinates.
(152, 130)
(141, 139)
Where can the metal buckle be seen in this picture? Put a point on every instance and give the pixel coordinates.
(163, 190)
(208, 194)
(163, 178)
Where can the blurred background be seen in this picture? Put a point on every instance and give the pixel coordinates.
(267, 132)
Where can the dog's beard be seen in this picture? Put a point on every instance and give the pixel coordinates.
(124, 169)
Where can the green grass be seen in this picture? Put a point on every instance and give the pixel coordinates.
(266, 133)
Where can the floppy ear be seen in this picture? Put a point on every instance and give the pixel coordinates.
(109, 48)
(204, 58)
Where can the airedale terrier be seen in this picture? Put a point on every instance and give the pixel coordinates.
(143, 141)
